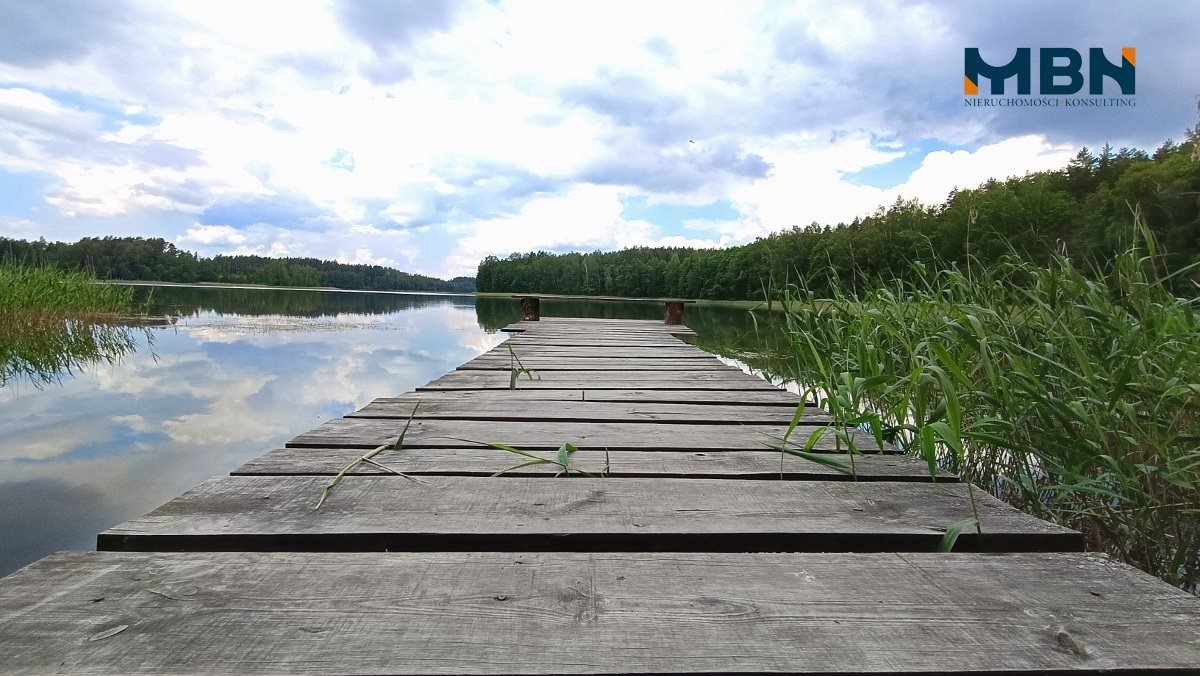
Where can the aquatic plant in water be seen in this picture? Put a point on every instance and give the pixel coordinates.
(54, 323)
(1073, 394)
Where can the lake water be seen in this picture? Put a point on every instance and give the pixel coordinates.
(240, 373)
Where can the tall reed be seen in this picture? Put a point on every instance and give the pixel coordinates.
(1071, 394)
(53, 322)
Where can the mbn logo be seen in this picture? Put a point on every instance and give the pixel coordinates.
(1060, 71)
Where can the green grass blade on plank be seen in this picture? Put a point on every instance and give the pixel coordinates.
(951, 536)
(400, 440)
(502, 447)
(562, 459)
(564, 455)
(822, 459)
(369, 459)
(539, 461)
(808, 454)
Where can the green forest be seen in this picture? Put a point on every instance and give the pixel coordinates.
(155, 259)
(1083, 210)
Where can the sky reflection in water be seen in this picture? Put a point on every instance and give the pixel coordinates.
(218, 389)
(243, 371)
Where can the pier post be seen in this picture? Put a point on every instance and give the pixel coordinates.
(531, 308)
(673, 312)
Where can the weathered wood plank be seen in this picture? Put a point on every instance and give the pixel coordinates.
(598, 325)
(572, 340)
(614, 436)
(491, 397)
(771, 397)
(603, 329)
(588, 411)
(594, 352)
(584, 323)
(591, 613)
(534, 336)
(763, 465)
(587, 322)
(504, 362)
(376, 513)
(622, 380)
(697, 397)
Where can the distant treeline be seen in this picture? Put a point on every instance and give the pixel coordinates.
(1083, 209)
(155, 259)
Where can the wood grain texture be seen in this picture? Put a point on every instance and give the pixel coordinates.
(602, 327)
(763, 465)
(622, 380)
(771, 397)
(600, 352)
(598, 325)
(588, 411)
(599, 613)
(573, 340)
(504, 362)
(615, 436)
(376, 513)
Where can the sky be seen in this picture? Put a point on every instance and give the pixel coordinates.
(427, 135)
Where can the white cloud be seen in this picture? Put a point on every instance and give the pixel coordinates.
(41, 114)
(517, 126)
(941, 171)
(807, 184)
(207, 235)
(363, 256)
(19, 228)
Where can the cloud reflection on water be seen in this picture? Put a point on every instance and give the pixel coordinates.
(213, 392)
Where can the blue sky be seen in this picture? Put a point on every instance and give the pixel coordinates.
(426, 135)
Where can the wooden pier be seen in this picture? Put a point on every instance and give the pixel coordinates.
(694, 546)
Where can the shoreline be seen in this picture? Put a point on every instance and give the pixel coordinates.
(743, 304)
(268, 287)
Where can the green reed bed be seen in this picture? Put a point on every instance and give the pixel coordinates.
(53, 322)
(1071, 394)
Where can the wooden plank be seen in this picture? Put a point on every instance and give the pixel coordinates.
(695, 397)
(376, 513)
(771, 397)
(591, 323)
(601, 328)
(763, 465)
(616, 380)
(614, 436)
(592, 613)
(587, 411)
(491, 397)
(552, 364)
(599, 341)
(604, 326)
(597, 324)
(586, 352)
(596, 332)
(574, 340)
(583, 353)
(656, 324)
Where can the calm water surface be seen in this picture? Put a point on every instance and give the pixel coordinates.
(241, 372)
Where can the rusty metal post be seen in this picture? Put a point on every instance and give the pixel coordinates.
(673, 312)
(531, 308)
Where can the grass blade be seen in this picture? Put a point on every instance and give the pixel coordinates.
(952, 533)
